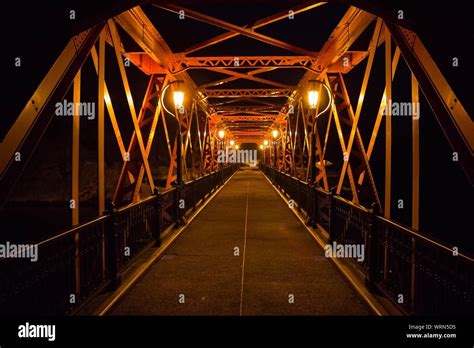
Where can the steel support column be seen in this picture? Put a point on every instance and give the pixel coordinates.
(388, 123)
(101, 126)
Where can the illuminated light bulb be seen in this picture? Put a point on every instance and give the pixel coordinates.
(178, 97)
(232, 143)
(313, 97)
(221, 133)
(275, 133)
(265, 142)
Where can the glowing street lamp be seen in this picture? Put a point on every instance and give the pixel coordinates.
(313, 96)
(265, 142)
(261, 147)
(275, 133)
(236, 147)
(232, 142)
(221, 133)
(178, 97)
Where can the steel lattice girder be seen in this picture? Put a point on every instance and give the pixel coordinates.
(149, 66)
(242, 109)
(345, 63)
(247, 118)
(249, 92)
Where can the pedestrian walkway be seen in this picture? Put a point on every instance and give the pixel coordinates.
(246, 253)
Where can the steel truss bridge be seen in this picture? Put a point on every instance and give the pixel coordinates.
(346, 206)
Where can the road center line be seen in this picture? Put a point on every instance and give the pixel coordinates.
(245, 247)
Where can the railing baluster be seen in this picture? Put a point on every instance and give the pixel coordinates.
(113, 248)
(371, 249)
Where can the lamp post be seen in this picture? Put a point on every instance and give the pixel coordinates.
(178, 100)
(265, 145)
(275, 134)
(314, 104)
(221, 133)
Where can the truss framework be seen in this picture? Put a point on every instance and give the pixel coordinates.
(306, 144)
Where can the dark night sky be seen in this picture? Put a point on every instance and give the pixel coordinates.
(38, 31)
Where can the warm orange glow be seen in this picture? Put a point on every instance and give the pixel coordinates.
(178, 97)
(275, 133)
(236, 147)
(232, 143)
(221, 134)
(265, 142)
(313, 97)
(261, 147)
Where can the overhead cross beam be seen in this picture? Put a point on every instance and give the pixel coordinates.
(183, 63)
(248, 77)
(235, 28)
(238, 108)
(235, 118)
(297, 9)
(249, 92)
(149, 66)
(234, 78)
(245, 62)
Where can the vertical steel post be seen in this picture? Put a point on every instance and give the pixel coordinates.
(100, 125)
(275, 155)
(388, 137)
(415, 184)
(372, 245)
(388, 123)
(181, 221)
(75, 174)
(113, 248)
(159, 214)
(332, 215)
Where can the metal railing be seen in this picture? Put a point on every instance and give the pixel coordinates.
(75, 265)
(419, 274)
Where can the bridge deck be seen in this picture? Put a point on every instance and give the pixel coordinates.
(278, 258)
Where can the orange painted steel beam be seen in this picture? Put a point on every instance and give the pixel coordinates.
(249, 92)
(345, 63)
(349, 28)
(253, 108)
(297, 8)
(248, 77)
(235, 28)
(244, 62)
(145, 63)
(25, 134)
(149, 66)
